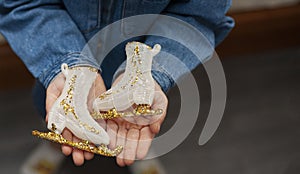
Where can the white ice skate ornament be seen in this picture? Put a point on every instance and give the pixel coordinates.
(134, 94)
(71, 111)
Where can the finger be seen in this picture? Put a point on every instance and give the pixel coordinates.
(54, 91)
(118, 79)
(160, 102)
(131, 146)
(112, 130)
(146, 137)
(50, 99)
(67, 150)
(122, 132)
(46, 119)
(88, 155)
(97, 88)
(102, 123)
(155, 127)
(78, 157)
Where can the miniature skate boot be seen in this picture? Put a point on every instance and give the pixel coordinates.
(71, 111)
(133, 95)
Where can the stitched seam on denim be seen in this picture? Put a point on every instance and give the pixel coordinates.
(97, 26)
(123, 15)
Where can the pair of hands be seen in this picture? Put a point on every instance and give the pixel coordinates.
(134, 134)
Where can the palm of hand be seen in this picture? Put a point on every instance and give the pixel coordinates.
(135, 134)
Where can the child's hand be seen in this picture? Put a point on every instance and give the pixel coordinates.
(136, 134)
(53, 92)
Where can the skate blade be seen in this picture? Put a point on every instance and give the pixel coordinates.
(84, 145)
(140, 110)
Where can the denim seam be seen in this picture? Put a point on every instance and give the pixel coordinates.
(97, 26)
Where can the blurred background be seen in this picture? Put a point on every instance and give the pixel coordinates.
(260, 130)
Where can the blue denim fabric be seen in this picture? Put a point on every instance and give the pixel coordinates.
(47, 33)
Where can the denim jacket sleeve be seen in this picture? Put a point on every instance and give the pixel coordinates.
(43, 35)
(207, 16)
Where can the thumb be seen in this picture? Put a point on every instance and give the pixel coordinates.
(54, 90)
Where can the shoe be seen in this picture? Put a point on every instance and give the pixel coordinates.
(71, 111)
(135, 90)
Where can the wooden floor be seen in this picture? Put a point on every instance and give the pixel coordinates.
(255, 32)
